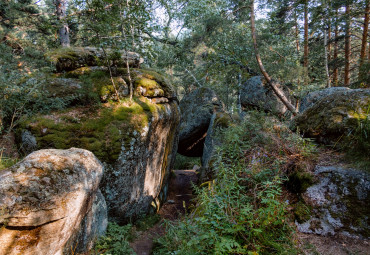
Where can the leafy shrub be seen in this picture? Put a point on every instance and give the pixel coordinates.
(26, 97)
(115, 241)
(6, 162)
(242, 211)
(183, 162)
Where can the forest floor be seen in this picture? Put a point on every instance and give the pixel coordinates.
(179, 198)
(181, 193)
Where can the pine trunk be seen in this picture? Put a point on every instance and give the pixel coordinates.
(277, 91)
(347, 46)
(364, 35)
(326, 60)
(296, 31)
(61, 8)
(335, 54)
(305, 51)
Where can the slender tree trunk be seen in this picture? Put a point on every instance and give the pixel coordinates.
(61, 9)
(364, 36)
(297, 42)
(296, 31)
(329, 38)
(305, 51)
(277, 91)
(329, 28)
(239, 105)
(328, 85)
(347, 46)
(335, 54)
(326, 30)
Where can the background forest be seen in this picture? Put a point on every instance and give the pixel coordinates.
(305, 44)
(253, 200)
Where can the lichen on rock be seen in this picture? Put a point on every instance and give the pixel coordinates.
(335, 117)
(44, 198)
(338, 203)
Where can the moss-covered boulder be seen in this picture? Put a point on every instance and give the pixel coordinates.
(46, 201)
(256, 93)
(334, 118)
(71, 58)
(135, 139)
(311, 98)
(197, 109)
(338, 203)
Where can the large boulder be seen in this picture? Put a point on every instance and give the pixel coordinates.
(45, 198)
(311, 98)
(256, 93)
(197, 109)
(338, 203)
(135, 139)
(334, 117)
(71, 58)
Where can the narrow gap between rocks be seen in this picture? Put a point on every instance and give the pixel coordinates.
(180, 194)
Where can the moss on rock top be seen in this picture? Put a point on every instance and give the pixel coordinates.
(335, 117)
(102, 130)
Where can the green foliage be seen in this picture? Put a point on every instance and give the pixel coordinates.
(115, 241)
(6, 162)
(27, 97)
(242, 211)
(147, 221)
(302, 212)
(183, 162)
(357, 143)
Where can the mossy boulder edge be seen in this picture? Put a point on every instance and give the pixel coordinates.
(136, 139)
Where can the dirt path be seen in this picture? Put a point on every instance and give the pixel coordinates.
(179, 194)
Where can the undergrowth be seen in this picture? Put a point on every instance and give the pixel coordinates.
(243, 211)
(183, 162)
(358, 143)
(115, 241)
(6, 162)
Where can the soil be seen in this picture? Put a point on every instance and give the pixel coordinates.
(179, 198)
(332, 245)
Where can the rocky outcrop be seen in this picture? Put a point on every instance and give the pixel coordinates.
(219, 120)
(135, 139)
(311, 98)
(71, 58)
(45, 198)
(197, 109)
(335, 117)
(256, 93)
(338, 203)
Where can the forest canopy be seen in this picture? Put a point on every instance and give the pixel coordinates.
(304, 44)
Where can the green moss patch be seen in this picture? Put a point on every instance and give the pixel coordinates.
(298, 182)
(302, 212)
(102, 131)
(72, 53)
